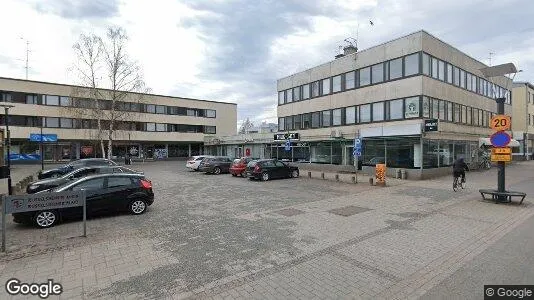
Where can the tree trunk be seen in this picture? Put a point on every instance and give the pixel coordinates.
(103, 148)
(110, 139)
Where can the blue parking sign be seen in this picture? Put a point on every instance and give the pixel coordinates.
(288, 146)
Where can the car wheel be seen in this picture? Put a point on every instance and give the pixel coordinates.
(244, 174)
(216, 170)
(46, 218)
(265, 176)
(137, 207)
(234, 175)
(294, 174)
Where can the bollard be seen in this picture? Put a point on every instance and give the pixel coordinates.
(353, 179)
(322, 175)
(309, 174)
(371, 180)
(403, 174)
(337, 177)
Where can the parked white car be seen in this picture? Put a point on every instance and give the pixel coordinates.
(194, 161)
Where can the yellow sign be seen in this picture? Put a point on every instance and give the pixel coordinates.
(504, 150)
(380, 173)
(501, 157)
(500, 122)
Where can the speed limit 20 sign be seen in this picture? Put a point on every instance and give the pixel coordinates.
(500, 123)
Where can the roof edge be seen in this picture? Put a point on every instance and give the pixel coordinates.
(135, 93)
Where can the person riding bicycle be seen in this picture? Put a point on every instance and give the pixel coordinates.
(459, 167)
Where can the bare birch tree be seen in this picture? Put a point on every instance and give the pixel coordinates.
(113, 82)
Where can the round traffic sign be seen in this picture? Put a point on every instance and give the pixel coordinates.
(500, 139)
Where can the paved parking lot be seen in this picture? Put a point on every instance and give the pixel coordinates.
(221, 236)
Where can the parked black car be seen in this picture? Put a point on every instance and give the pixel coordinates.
(46, 184)
(86, 162)
(266, 169)
(105, 193)
(215, 165)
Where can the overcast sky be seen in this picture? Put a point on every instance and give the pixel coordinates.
(235, 50)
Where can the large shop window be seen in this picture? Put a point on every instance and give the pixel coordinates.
(365, 113)
(412, 107)
(411, 64)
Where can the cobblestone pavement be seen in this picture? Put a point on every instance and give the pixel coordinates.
(219, 237)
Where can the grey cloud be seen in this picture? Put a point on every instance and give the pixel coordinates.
(79, 9)
(240, 35)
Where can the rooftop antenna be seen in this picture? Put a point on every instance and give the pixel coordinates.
(27, 55)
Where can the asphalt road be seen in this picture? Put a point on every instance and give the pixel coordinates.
(510, 261)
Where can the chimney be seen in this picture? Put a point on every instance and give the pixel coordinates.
(347, 50)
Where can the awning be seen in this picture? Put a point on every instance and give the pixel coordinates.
(487, 142)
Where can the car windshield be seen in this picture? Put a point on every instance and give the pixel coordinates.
(199, 158)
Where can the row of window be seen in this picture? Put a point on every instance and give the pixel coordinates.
(52, 122)
(530, 96)
(390, 70)
(65, 101)
(402, 67)
(398, 109)
(444, 71)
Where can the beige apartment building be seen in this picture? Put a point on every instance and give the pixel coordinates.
(385, 95)
(156, 126)
(523, 119)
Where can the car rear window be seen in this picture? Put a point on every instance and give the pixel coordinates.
(199, 158)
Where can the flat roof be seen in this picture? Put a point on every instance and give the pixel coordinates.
(530, 85)
(71, 85)
(387, 42)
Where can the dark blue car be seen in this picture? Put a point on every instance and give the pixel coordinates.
(87, 162)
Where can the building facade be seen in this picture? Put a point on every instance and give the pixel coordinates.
(154, 126)
(384, 95)
(523, 119)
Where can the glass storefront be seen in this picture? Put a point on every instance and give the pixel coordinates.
(443, 153)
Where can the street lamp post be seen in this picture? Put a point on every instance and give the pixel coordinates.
(42, 148)
(8, 146)
(496, 71)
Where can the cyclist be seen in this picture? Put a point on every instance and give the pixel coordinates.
(459, 167)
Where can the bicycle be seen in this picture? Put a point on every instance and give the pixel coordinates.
(458, 183)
